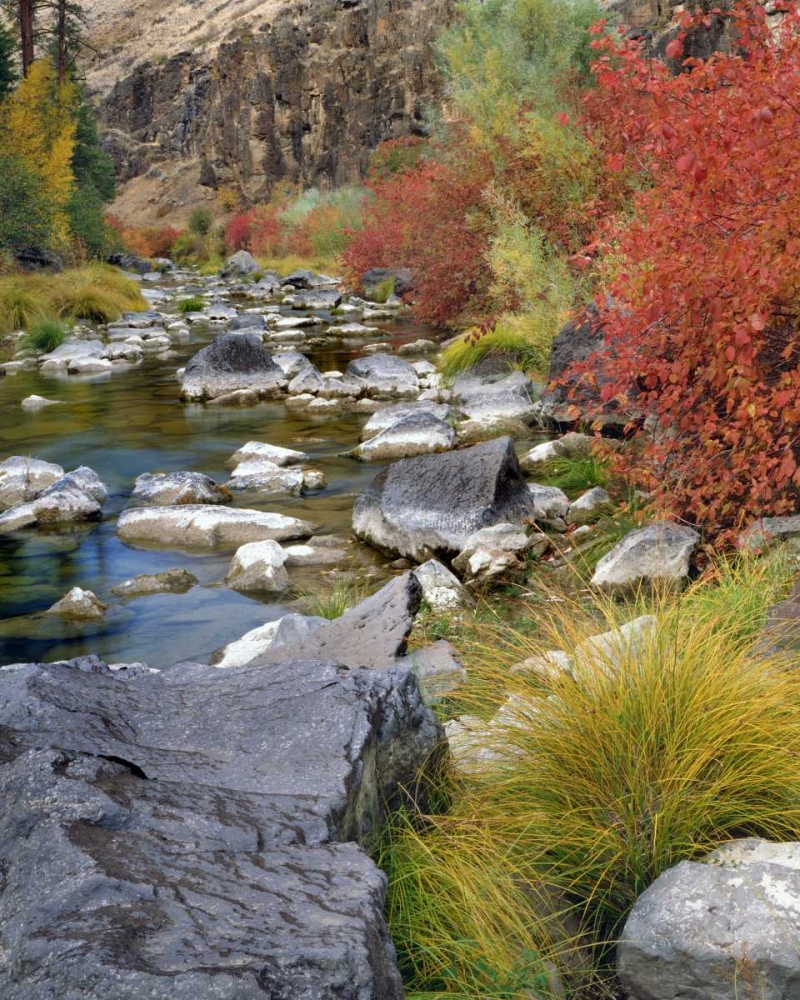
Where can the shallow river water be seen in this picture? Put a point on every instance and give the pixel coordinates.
(130, 422)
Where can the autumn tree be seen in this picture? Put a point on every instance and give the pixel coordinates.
(701, 323)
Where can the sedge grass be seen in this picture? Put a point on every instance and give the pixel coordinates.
(592, 781)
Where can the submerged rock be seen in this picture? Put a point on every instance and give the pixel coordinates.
(703, 927)
(171, 581)
(258, 450)
(419, 507)
(165, 488)
(33, 403)
(200, 526)
(197, 831)
(658, 553)
(231, 362)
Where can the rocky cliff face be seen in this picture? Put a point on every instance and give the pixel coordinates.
(297, 91)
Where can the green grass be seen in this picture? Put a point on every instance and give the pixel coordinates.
(95, 292)
(575, 475)
(521, 336)
(383, 291)
(46, 335)
(191, 305)
(336, 596)
(593, 783)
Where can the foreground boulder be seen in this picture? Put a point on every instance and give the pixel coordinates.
(717, 929)
(195, 833)
(421, 507)
(661, 552)
(231, 362)
(203, 527)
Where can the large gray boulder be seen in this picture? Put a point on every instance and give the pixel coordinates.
(62, 502)
(195, 833)
(393, 413)
(491, 401)
(421, 507)
(715, 930)
(659, 553)
(231, 362)
(241, 265)
(373, 633)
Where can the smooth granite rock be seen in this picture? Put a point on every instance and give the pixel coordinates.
(417, 434)
(421, 507)
(22, 479)
(205, 527)
(660, 552)
(258, 566)
(388, 416)
(195, 833)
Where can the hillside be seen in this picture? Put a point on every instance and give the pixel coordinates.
(199, 96)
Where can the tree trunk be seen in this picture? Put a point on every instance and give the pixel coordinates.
(26, 34)
(62, 41)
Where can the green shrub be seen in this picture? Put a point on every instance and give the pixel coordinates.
(516, 336)
(191, 305)
(46, 335)
(200, 221)
(575, 475)
(383, 291)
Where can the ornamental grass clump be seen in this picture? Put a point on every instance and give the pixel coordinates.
(591, 781)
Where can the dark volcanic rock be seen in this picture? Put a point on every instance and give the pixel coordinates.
(38, 259)
(130, 262)
(419, 507)
(371, 634)
(183, 834)
(230, 362)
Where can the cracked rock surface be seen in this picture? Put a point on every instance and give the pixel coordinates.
(195, 833)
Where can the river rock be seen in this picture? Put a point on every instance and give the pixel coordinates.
(162, 489)
(323, 299)
(281, 633)
(437, 668)
(661, 552)
(204, 527)
(291, 363)
(23, 479)
(258, 475)
(491, 401)
(258, 566)
(88, 480)
(314, 555)
(417, 434)
(260, 451)
(218, 312)
(589, 507)
(385, 376)
(718, 928)
(372, 634)
(241, 265)
(767, 531)
(508, 538)
(80, 605)
(419, 507)
(441, 589)
(388, 416)
(550, 506)
(572, 445)
(71, 351)
(249, 321)
(170, 581)
(231, 361)
(304, 279)
(340, 387)
(308, 380)
(62, 502)
(197, 831)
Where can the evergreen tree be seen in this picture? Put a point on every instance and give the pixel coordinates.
(8, 56)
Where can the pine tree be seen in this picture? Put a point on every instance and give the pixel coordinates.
(8, 55)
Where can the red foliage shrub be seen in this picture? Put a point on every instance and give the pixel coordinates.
(153, 241)
(239, 231)
(432, 218)
(703, 329)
